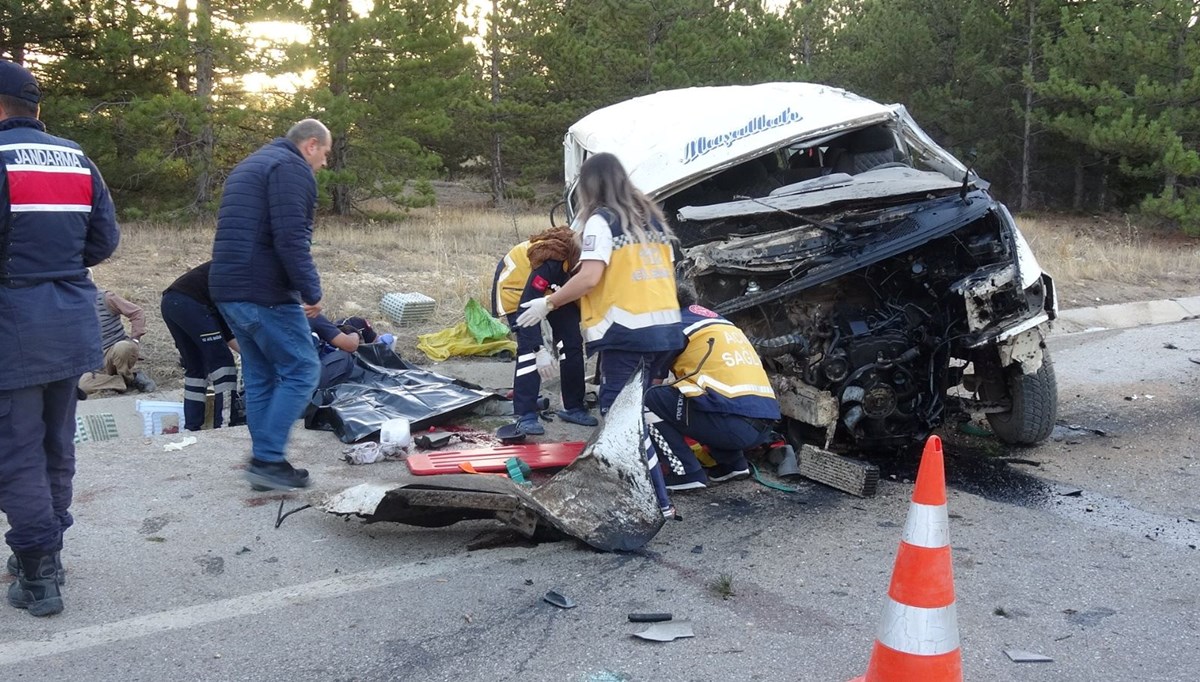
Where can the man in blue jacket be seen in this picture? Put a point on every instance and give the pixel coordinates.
(56, 219)
(265, 283)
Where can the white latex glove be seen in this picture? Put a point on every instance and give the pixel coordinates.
(535, 311)
(546, 366)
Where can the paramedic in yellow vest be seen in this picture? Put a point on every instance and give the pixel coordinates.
(625, 284)
(531, 270)
(720, 398)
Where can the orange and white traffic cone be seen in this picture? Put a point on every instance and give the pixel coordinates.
(918, 635)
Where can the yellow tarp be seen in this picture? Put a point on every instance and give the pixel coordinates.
(479, 334)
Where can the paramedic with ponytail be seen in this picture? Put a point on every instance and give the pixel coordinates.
(625, 283)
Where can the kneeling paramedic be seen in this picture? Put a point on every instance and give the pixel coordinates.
(721, 397)
(532, 270)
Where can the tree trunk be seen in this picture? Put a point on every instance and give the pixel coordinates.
(497, 167)
(339, 73)
(1102, 196)
(183, 15)
(806, 35)
(1077, 199)
(1027, 135)
(204, 85)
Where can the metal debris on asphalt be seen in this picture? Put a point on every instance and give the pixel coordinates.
(666, 632)
(1018, 656)
(562, 601)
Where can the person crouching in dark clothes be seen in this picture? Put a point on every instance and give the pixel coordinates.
(336, 345)
(721, 397)
(58, 219)
(533, 269)
(204, 342)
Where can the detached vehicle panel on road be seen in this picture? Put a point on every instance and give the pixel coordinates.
(885, 289)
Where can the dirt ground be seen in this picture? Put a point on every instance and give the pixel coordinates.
(449, 253)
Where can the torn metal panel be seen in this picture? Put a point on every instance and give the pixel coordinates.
(808, 404)
(1024, 349)
(979, 291)
(604, 498)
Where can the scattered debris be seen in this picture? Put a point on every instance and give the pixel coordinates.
(179, 445)
(371, 452)
(604, 497)
(1135, 396)
(836, 471)
(770, 484)
(666, 632)
(649, 617)
(971, 429)
(1170, 346)
(433, 439)
(562, 601)
(280, 515)
(1018, 656)
(242, 551)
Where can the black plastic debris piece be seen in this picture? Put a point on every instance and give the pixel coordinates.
(433, 439)
(562, 601)
(649, 617)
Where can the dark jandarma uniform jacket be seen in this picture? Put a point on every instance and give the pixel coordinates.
(56, 219)
(261, 253)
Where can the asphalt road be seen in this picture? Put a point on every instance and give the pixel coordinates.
(1084, 550)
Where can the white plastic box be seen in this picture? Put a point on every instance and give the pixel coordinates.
(160, 416)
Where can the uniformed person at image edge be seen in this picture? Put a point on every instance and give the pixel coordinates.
(56, 219)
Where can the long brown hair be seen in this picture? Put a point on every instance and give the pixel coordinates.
(603, 183)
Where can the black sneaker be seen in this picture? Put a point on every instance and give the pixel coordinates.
(275, 476)
(725, 472)
(692, 481)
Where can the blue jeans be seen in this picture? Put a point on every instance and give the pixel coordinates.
(279, 367)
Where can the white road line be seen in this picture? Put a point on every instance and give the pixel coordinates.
(18, 651)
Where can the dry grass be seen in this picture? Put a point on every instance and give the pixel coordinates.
(1109, 260)
(446, 253)
(450, 255)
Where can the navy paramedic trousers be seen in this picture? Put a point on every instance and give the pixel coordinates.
(568, 342)
(37, 464)
(725, 435)
(206, 357)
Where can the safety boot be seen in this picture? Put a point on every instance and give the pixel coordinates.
(36, 589)
(14, 567)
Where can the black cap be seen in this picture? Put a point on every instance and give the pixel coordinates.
(16, 81)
